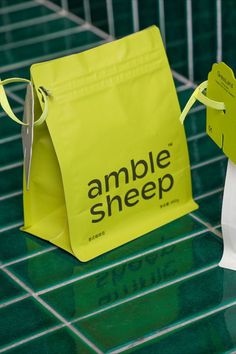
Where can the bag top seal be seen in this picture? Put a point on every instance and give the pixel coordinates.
(55, 72)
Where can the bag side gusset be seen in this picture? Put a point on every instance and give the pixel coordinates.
(44, 203)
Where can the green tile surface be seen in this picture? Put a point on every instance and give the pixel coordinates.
(14, 247)
(59, 341)
(9, 290)
(196, 122)
(8, 127)
(12, 152)
(38, 50)
(210, 208)
(24, 35)
(202, 182)
(205, 36)
(176, 35)
(60, 266)
(28, 13)
(162, 293)
(202, 149)
(136, 277)
(11, 210)
(11, 179)
(159, 310)
(22, 319)
(215, 333)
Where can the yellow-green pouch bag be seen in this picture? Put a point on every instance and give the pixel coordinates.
(110, 162)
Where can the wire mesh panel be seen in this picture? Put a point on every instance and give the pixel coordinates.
(197, 33)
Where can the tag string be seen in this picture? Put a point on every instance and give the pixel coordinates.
(6, 105)
(201, 97)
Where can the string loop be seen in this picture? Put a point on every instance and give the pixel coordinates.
(201, 97)
(6, 105)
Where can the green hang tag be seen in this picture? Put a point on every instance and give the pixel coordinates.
(221, 124)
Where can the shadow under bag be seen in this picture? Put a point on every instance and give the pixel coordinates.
(110, 162)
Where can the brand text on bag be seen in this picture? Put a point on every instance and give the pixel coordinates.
(137, 170)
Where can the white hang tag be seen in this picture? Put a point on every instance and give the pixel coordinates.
(28, 132)
(228, 219)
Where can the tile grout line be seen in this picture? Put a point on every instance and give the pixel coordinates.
(197, 109)
(210, 227)
(31, 22)
(110, 18)
(231, 351)
(210, 193)
(15, 97)
(53, 312)
(31, 338)
(16, 110)
(10, 227)
(147, 292)
(135, 15)
(64, 4)
(217, 226)
(160, 333)
(63, 325)
(11, 166)
(219, 30)
(206, 224)
(168, 284)
(17, 7)
(161, 13)
(183, 79)
(196, 136)
(208, 162)
(184, 87)
(127, 346)
(10, 195)
(17, 87)
(13, 301)
(10, 138)
(128, 259)
(87, 10)
(100, 33)
(44, 37)
(54, 55)
(56, 8)
(22, 259)
(115, 264)
(141, 294)
(100, 270)
(189, 25)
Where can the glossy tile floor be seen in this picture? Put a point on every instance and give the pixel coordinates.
(163, 293)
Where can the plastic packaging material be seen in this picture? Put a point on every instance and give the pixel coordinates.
(228, 219)
(220, 100)
(110, 163)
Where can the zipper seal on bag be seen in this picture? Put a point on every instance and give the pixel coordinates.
(107, 76)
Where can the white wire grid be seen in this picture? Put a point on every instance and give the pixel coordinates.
(86, 24)
(216, 5)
